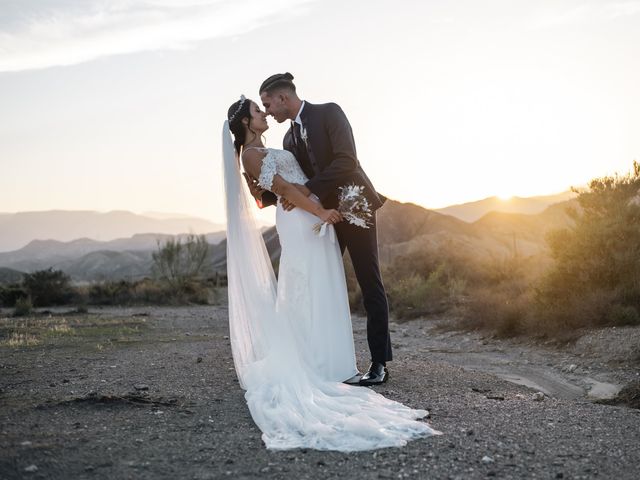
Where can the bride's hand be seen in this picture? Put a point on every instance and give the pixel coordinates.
(255, 189)
(330, 216)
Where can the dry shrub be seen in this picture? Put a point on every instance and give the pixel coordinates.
(623, 315)
(593, 280)
(503, 311)
(519, 305)
(416, 295)
(417, 284)
(17, 339)
(179, 264)
(23, 307)
(152, 292)
(11, 293)
(562, 317)
(500, 299)
(48, 287)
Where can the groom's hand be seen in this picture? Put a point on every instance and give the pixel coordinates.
(255, 189)
(286, 204)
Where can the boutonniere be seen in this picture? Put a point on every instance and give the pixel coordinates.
(303, 135)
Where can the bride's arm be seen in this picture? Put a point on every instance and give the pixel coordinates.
(252, 161)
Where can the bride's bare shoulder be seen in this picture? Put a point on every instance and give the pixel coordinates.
(252, 160)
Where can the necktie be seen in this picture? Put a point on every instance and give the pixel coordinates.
(295, 129)
(301, 152)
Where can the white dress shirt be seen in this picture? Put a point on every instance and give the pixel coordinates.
(298, 120)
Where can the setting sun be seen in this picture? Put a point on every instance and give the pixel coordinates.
(505, 197)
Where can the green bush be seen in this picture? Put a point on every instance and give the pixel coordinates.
(110, 293)
(623, 315)
(23, 307)
(152, 292)
(592, 281)
(179, 264)
(595, 278)
(413, 294)
(9, 294)
(48, 287)
(503, 310)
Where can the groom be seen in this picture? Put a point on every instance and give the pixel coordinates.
(321, 139)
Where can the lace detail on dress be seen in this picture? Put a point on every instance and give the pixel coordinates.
(267, 171)
(283, 163)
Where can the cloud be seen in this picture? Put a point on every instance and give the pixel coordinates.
(588, 12)
(39, 34)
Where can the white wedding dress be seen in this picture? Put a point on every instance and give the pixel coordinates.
(292, 342)
(311, 293)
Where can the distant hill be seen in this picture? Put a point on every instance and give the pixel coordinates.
(18, 229)
(527, 226)
(403, 228)
(88, 260)
(401, 222)
(9, 275)
(526, 234)
(163, 215)
(42, 254)
(472, 211)
(108, 265)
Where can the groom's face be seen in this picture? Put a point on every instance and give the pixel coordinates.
(275, 105)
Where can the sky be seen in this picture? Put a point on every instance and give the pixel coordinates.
(119, 105)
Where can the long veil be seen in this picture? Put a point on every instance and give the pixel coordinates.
(290, 405)
(251, 280)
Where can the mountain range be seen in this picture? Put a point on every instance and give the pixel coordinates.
(86, 259)
(472, 211)
(18, 229)
(403, 228)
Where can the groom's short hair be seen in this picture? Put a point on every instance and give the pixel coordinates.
(277, 82)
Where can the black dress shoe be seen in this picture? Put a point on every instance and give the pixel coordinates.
(376, 375)
(355, 380)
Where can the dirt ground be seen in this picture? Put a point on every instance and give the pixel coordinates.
(151, 393)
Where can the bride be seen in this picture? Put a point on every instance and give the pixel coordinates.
(292, 340)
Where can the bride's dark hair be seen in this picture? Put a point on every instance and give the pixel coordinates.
(235, 115)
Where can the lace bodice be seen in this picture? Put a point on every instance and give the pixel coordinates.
(283, 163)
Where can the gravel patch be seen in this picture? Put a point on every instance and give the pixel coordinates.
(163, 401)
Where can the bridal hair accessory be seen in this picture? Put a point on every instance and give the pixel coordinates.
(242, 100)
(353, 206)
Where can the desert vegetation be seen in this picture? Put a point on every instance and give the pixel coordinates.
(589, 278)
(178, 279)
(66, 328)
(589, 275)
(179, 264)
